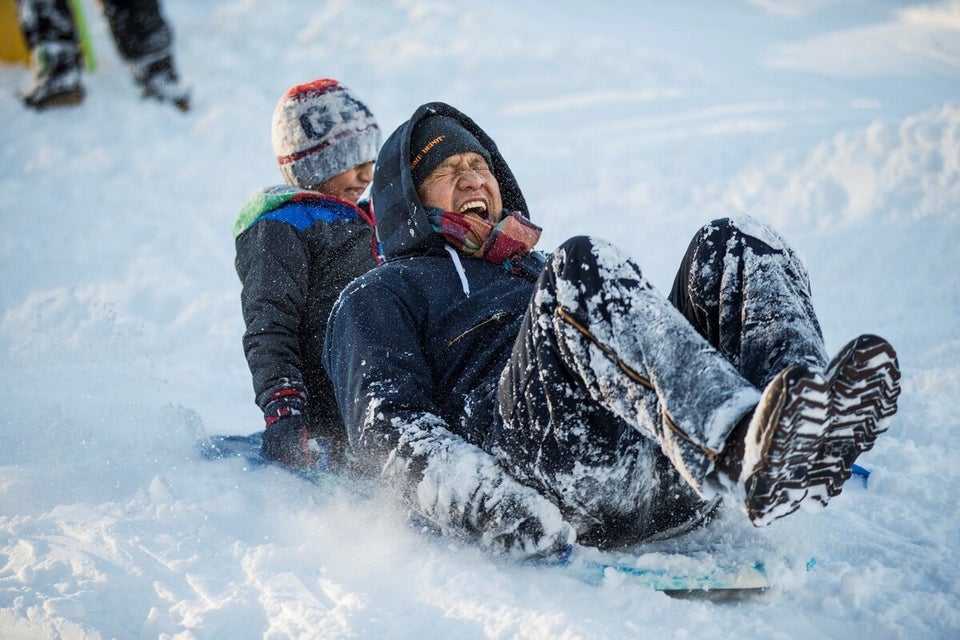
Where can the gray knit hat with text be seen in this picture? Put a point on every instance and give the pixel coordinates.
(321, 129)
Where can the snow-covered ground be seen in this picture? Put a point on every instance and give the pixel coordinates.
(836, 120)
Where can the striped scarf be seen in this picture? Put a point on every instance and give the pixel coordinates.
(505, 243)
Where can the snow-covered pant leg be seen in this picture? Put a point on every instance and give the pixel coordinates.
(47, 22)
(139, 29)
(748, 294)
(611, 397)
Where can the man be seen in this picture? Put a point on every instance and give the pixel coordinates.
(527, 405)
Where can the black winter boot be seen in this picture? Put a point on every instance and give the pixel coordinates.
(810, 426)
(158, 79)
(729, 466)
(57, 83)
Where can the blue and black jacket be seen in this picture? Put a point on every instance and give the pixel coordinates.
(296, 250)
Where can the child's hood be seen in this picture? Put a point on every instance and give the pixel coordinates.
(268, 203)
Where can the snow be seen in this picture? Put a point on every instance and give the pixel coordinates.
(838, 121)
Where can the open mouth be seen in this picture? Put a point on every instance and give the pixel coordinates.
(475, 207)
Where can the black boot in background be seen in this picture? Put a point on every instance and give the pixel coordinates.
(158, 80)
(58, 81)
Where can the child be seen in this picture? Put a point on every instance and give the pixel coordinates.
(298, 245)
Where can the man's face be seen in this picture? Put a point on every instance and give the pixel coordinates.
(348, 185)
(465, 184)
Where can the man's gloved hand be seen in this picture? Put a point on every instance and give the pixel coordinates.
(286, 439)
(526, 526)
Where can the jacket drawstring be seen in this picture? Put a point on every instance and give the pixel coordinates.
(459, 266)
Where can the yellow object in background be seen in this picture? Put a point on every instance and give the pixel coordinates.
(13, 48)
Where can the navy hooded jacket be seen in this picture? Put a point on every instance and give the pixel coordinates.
(415, 348)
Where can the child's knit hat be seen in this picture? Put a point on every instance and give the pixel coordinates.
(321, 129)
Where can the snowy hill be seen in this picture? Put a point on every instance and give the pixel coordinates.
(837, 121)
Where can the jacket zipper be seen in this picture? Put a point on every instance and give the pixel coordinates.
(495, 317)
